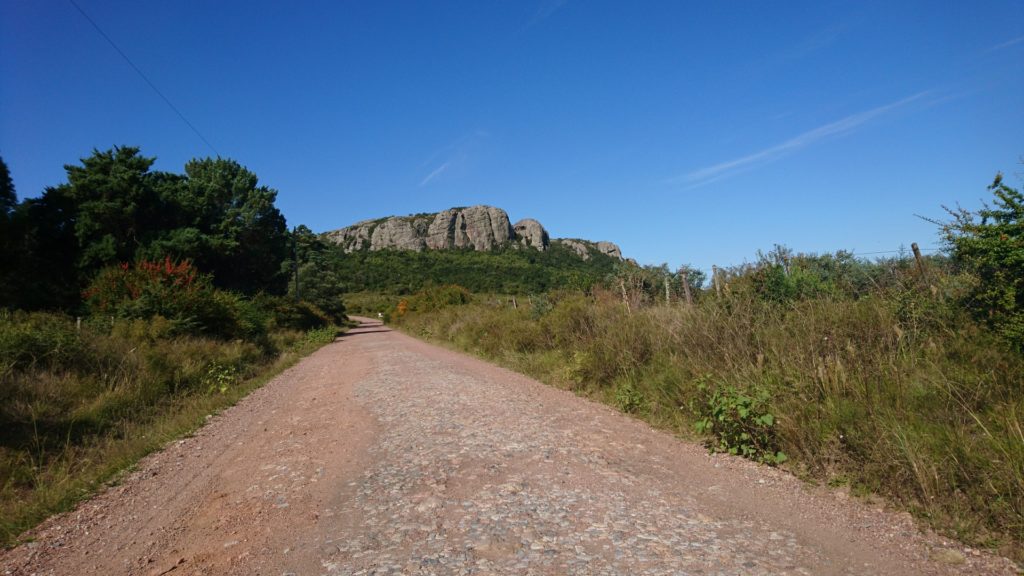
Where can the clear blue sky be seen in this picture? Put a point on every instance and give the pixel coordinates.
(692, 132)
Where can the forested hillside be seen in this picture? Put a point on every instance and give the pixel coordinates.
(507, 271)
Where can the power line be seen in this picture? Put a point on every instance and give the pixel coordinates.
(144, 77)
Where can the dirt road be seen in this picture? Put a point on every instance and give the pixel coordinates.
(380, 454)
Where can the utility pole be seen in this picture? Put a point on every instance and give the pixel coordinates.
(295, 259)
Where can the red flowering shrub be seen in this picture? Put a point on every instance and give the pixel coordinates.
(144, 283)
(176, 291)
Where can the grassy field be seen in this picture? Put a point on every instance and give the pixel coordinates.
(895, 392)
(81, 404)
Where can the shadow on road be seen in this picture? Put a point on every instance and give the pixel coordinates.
(360, 330)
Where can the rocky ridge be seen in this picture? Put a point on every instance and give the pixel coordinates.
(479, 228)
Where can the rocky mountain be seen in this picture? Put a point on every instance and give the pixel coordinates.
(480, 228)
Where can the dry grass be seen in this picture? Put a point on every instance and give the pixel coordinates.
(78, 407)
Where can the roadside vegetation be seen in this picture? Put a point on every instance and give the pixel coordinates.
(897, 377)
(133, 305)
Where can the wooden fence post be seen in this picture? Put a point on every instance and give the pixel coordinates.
(918, 259)
(714, 280)
(686, 286)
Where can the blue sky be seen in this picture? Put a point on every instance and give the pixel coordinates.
(687, 132)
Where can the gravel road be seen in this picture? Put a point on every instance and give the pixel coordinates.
(381, 454)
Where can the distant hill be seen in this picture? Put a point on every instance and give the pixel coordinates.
(476, 247)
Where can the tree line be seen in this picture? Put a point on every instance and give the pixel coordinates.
(114, 208)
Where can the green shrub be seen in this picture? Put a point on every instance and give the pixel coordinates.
(993, 250)
(739, 422)
(369, 303)
(177, 292)
(437, 297)
(38, 340)
(629, 399)
(286, 313)
(219, 377)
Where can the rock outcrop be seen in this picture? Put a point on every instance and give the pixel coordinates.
(576, 246)
(531, 234)
(475, 228)
(609, 249)
(585, 248)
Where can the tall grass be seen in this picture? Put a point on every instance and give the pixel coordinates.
(79, 404)
(895, 392)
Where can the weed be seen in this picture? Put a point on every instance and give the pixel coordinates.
(219, 378)
(739, 421)
(629, 399)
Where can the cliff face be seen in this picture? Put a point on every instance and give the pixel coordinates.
(532, 234)
(476, 227)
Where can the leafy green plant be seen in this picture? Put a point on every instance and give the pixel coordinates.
(320, 336)
(541, 305)
(629, 398)
(220, 378)
(739, 422)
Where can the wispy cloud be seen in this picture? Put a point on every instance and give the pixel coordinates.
(544, 11)
(820, 39)
(451, 156)
(435, 173)
(715, 172)
(1006, 44)
(549, 7)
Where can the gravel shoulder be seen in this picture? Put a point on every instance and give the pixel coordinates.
(380, 454)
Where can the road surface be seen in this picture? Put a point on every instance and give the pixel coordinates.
(380, 454)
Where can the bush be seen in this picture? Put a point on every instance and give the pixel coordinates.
(40, 340)
(286, 313)
(433, 298)
(175, 291)
(629, 399)
(993, 250)
(739, 422)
